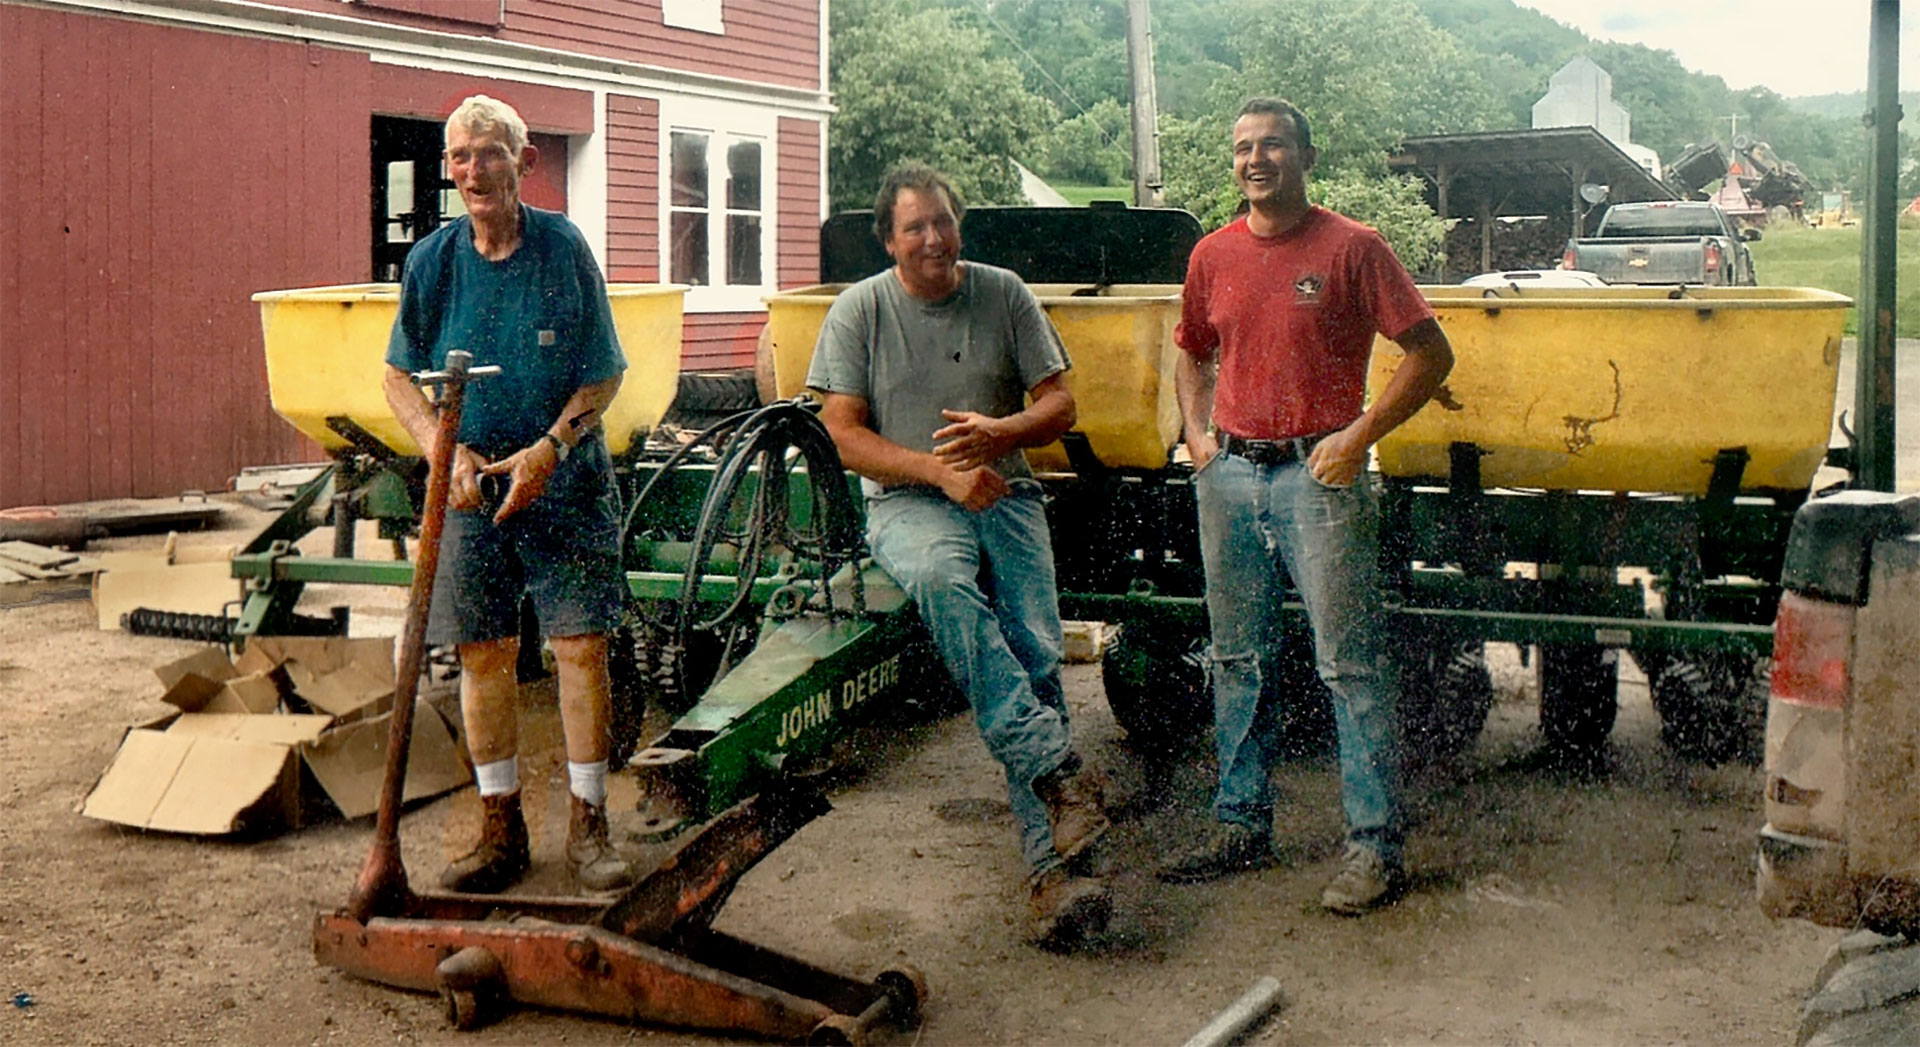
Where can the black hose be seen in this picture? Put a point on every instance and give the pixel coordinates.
(766, 436)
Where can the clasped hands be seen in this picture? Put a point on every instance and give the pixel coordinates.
(527, 470)
(968, 448)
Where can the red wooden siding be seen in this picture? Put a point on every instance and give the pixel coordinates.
(479, 12)
(633, 189)
(720, 341)
(429, 94)
(798, 150)
(766, 41)
(146, 201)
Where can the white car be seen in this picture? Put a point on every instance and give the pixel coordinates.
(1520, 279)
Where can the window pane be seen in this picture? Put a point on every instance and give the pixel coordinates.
(689, 248)
(689, 169)
(743, 249)
(743, 176)
(400, 202)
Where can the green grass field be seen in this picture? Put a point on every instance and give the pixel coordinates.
(1796, 256)
(1081, 195)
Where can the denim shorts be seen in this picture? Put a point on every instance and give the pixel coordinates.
(563, 551)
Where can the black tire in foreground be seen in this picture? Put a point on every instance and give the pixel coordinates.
(1579, 696)
(1156, 684)
(1446, 692)
(1713, 704)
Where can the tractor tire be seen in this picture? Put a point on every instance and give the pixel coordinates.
(1713, 705)
(1446, 693)
(705, 397)
(1579, 696)
(1157, 688)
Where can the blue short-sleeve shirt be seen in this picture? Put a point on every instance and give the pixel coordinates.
(541, 314)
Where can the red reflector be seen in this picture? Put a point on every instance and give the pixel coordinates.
(1812, 644)
(1713, 258)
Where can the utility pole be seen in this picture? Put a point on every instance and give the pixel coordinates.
(1146, 108)
(1874, 388)
(1733, 127)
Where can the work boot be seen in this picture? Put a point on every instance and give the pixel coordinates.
(1223, 848)
(595, 865)
(501, 857)
(1066, 909)
(1365, 882)
(1075, 811)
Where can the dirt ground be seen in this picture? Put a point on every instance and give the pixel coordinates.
(1546, 907)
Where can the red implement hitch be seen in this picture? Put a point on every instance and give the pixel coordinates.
(649, 956)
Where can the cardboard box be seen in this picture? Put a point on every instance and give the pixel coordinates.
(226, 760)
(190, 579)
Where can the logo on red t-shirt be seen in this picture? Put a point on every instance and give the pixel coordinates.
(1307, 288)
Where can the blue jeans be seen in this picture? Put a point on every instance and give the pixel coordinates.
(985, 589)
(1260, 525)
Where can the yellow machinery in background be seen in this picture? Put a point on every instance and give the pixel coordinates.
(326, 349)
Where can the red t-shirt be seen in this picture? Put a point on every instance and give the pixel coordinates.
(1292, 319)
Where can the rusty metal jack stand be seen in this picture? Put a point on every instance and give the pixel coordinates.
(650, 956)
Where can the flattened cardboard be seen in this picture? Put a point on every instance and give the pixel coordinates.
(190, 783)
(243, 727)
(348, 678)
(219, 765)
(194, 588)
(206, 682)
(349, 692)
(350, 761)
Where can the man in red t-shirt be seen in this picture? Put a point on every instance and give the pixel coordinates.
(1279, 317)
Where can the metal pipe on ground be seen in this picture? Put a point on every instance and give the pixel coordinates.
(1252, 1006)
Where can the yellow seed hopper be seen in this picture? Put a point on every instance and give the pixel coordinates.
(326, 347)
(1627, 388)
(1119, 339)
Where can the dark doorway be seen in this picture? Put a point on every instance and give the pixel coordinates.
(411, 194)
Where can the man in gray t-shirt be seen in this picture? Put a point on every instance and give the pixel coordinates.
(935, 375)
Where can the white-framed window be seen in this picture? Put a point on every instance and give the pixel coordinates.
(703, 15)
(718, 205)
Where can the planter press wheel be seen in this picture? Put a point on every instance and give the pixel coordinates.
(1579, 695)
(1156, 685)
(1446, 692)
(1712, 704)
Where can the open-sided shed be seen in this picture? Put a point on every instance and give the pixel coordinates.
(1496, 174)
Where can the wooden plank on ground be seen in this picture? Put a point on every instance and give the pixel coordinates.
(35, 555)
(28, 570)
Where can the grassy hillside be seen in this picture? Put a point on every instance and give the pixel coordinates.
(1793, 256)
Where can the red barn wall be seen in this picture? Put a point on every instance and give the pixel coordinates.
(161, 198)
(766, 41)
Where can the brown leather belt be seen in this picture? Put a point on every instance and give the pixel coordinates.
(1270, 452)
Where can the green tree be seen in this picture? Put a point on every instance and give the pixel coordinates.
(915, 83)
(1366, 72)
(1198, 162)
(1092, 148)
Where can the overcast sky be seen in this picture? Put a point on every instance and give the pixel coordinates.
(1810, 47)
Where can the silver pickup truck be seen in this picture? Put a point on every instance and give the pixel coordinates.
(1665, 242)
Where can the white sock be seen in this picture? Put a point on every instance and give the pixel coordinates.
(589, 781)
(499, 777)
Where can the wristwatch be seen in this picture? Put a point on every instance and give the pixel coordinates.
(560, 447)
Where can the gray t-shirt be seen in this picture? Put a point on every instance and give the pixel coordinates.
(980, 350)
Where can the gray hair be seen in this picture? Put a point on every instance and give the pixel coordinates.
(480, 114)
